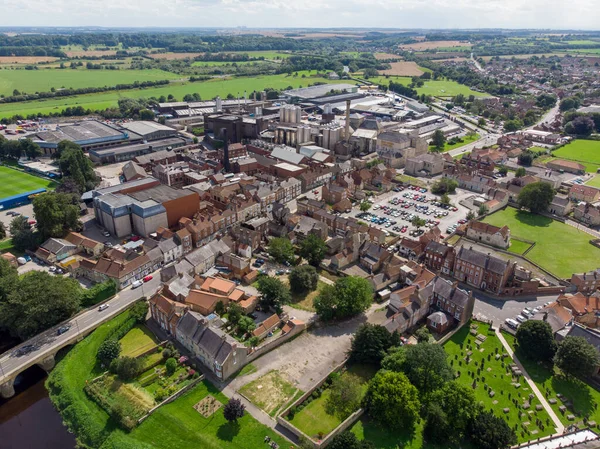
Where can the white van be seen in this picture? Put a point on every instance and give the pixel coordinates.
(511, 323)
(102, 307)
(137, 284)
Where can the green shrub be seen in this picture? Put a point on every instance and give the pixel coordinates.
(170, 366)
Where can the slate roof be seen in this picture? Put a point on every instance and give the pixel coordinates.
(482, 260)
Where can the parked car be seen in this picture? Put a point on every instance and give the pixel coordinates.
(520, 318)
(102, 307)
(511, 323)
(137, 284)
(61, 330)
(148, 278)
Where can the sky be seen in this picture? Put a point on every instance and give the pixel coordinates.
(545, 14)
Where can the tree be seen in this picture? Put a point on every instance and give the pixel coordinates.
(444, 185)
(56, 214)
(536, 340)
(234, 313)
(365, 206)
(127, 368)
(347, 440)
(445, 199)
(139, 311)
(76, 166)
(23, 238)
(438, 140)
(313, 249)
(512, 125)
(345, 396)
(425, 365)
(581, 126)
(2, 231)
(349, 296)
(29, 148)
(503, 170)
(422, 335)
(38, 302)
(470, 215)
(577, 357)
(370, 344)
(525, 158)
(536, 196)
(146, 114)
(483, 209)
(488, 431)
(449, 412)
(481, 122)
(392, 401)
(569, 103)
(274, 293)
(246, 324)
(108, 351)
(418, 222)
(520, 172)
(170, 366)
(234, 410)
(281, 249)
(303, 278)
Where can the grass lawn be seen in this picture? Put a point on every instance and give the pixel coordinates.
(248, 369)
(484, 369)
(518, 246)
(14, 182)
(206, 89)
(137, 340)
(560, 248)
(31, 81)
(406, 179)
(585, 151)
(313, 418)
(269, 392)
(305, 301)
(465, 141)
(538, 149)
(594, 182)
(383, 438)
(179, 426)
(550, 381)
(439, 88)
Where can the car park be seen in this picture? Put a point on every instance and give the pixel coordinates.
(520, 318)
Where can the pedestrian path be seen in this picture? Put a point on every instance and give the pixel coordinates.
(560, 428)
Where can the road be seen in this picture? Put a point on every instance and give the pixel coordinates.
(485, 141)
(48, 343)
(476, 64)
(548, 117)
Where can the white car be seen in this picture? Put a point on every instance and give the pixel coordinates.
(511, 323)
(527, 313)
(136, 284)
(520, 318)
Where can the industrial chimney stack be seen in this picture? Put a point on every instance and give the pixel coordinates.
(347, 121)
(225, 151)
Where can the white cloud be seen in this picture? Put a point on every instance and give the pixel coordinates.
(555, 14)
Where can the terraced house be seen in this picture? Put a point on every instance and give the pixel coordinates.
(482, 271)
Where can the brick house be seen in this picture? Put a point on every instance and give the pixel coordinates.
(439, 257)
(587, 213)
(482, 271)
(586, 282)
(479, 231)
(584, 193)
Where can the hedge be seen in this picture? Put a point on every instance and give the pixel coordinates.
(99, 293)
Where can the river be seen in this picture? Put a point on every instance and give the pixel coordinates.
(28, 420)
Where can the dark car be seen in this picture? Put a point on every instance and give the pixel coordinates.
(61, 330)
(24, 350)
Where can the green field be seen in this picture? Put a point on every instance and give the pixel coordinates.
(560, 248)
(465, 141)
(175, 426)
(518, 246)
(586, 152)
(594, 182)
(263, 54)
(223, 63)
(483, 370)
(445, 88)
(32, 81)
(14, 182)
(206, 89)
(137, 341)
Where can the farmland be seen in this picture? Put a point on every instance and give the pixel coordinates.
(560, 248)
(586, 152)
(431, 45)
(206, 89)
(14, 182)
(32, 81)
(444, 88)
(404, 68)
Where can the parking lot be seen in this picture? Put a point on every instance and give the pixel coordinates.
(394, 211)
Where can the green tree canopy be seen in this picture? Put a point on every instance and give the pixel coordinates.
(392, 401)
(246, 324)
(365, 206)
(536, 340)
(536, 196)
(108, 351)
(127, 368)
(488, 431)
(76, 166)
(444, 185)
(577, 357)
(23, 237)
(349, 296)
(313, 249)
(281, 249)
(370, 344)
(438, 140)
(521, 171)
(170, 365)
(274, 293)
(56, 214)
(425, 365)
(303, 278)
(346, 392)
(347, 440)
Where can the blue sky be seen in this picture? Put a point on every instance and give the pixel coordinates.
(546, 14)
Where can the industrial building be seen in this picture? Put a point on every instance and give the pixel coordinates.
(129, 152)
(310, 93)
(89, 134)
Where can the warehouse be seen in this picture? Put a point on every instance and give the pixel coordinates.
(148, 131)
(129, 152)
(310, 93)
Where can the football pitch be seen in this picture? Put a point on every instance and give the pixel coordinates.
(13, 182)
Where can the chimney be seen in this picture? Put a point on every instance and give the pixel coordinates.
(226, 164)
(347, 121)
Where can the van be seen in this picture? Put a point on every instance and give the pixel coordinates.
(137, 284)
(511, 323)
(102, 307)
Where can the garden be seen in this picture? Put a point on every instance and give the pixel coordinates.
(331, 403)
(270, 392)
(480, 362)
(560, 248)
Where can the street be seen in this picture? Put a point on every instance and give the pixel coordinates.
(48, 343)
